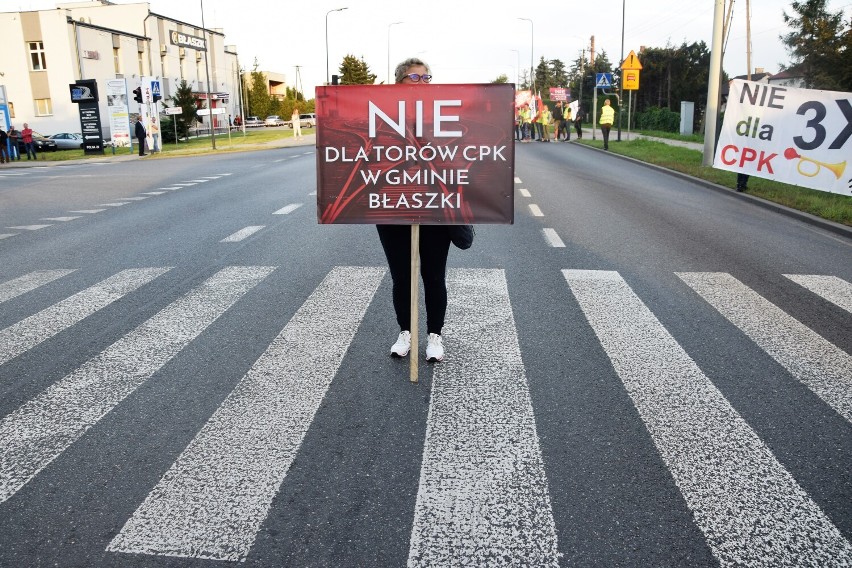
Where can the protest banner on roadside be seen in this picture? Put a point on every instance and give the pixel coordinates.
(797, 136)
(415, 154)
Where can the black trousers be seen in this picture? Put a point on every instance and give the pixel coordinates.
(434, 248)
(605, 128)
(141, 145)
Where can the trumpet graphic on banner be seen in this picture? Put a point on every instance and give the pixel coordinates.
(792, 154)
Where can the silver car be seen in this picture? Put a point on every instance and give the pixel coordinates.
(67, 140)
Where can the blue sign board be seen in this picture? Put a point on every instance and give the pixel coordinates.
(603, 80)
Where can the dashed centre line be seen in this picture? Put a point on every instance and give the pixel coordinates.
(534, 209)
(242, 234)
(524, 192)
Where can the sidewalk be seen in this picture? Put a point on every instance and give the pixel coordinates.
(308, 140)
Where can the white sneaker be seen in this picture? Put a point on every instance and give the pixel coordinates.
(434, 348)
(402, 345)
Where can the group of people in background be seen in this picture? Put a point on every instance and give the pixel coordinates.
(545, 125)
(9, 144)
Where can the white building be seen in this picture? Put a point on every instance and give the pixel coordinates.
(45, 51)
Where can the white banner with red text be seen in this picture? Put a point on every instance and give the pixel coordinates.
(797, 136)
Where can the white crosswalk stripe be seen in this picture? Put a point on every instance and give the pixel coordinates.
(211, 502)
(37, 432)
(39, 327)
(751, 510)
(28, 282)
(820, 365)
(832, 288)
(483, 497)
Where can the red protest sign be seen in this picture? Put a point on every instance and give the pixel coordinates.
(415, 154)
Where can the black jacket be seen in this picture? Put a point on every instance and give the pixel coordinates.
(140, 130)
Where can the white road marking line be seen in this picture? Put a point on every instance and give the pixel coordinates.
(831, 288)
(117, 204)
(184, 184)
(312, 193)
(140, 198)
(169, 188)
(483, 498)
(28, 282)
(242, 234)
(307, 153)
(29, 227)
(518, 180)
(29, 332)
(279, 160)
(210, 177)
(153, 193)
(200, 180)
(212, 501)
(225, 174)
(534, 209)
(288, 209)
(88, 211)
(59, 219)
(750, 509)
(552, 238)
(820, 365)
(40, 430)
(524, 192)
(7, 235)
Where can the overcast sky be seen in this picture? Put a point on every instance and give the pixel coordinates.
(468, 41)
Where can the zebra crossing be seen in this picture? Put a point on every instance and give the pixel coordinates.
(483, 495)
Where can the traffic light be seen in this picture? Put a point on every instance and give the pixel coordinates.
(137, 94)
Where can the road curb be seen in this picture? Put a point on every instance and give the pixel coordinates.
(831, 226)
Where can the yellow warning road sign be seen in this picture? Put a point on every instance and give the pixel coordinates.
(631, 63)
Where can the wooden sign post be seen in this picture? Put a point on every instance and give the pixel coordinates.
(415, 308)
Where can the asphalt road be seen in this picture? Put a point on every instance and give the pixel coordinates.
(641, 371)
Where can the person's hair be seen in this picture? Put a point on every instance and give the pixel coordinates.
(402, 68)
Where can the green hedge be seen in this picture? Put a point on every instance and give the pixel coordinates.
(658, 119)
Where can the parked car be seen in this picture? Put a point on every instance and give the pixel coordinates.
(253, 121)
(42, 144)
(308, 120)
(274, 120)
(67, 140)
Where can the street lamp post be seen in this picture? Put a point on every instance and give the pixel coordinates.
(327, 77)
(207, 71)
(532, 35)
(389, 27)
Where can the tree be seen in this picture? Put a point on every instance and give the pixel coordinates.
(501, 79)
(185, 100)
(819, 45)
(355, 71)
(260, 102)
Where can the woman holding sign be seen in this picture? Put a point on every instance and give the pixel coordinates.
(434, 247)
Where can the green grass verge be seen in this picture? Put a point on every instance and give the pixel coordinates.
(699, 138)
(253, 139)
(831, 206)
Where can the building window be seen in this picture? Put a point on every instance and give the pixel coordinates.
(37, 59)
(141, 69)
(116, 60)
(43, 107)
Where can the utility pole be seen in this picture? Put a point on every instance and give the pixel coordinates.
(298, 84)
(711, 114)
(748, 39)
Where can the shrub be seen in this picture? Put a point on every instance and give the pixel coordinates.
(661, 119)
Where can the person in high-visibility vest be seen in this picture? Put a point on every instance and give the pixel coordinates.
(545, 120)
(525, 115)
(605, 121)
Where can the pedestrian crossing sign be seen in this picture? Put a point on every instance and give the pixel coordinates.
(155, 88)
(603, 80)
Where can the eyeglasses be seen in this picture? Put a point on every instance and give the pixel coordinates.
(416, 78)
